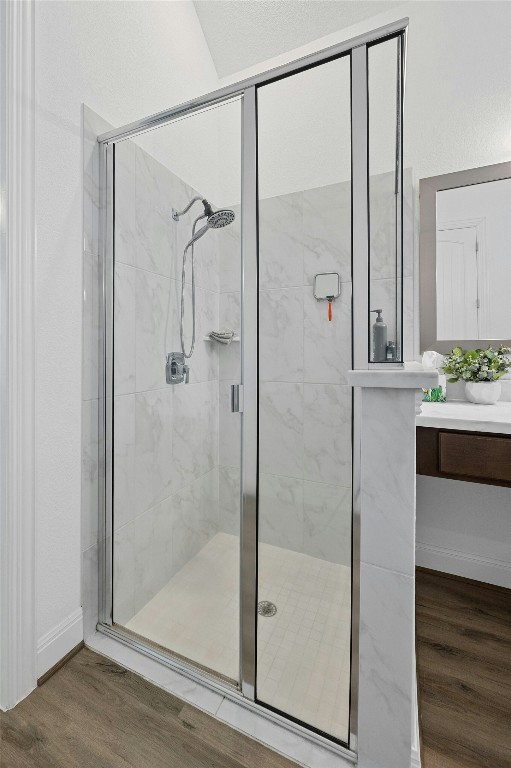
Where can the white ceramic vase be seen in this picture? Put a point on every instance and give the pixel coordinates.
(483, 392)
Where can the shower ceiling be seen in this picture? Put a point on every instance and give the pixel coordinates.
(241, 34)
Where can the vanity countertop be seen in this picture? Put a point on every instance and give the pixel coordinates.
(459, 414)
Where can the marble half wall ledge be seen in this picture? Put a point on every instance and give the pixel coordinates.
(397, 378)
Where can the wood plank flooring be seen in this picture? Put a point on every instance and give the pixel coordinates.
(464, 672)
(95, 714)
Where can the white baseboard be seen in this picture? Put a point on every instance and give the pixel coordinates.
(464, 564)
(53, 646)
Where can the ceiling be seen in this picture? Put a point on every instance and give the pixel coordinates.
(242, 33)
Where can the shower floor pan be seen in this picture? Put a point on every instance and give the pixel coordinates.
(303, 664)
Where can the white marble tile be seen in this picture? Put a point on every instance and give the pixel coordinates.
(327, 231)
(206, 258)
(395, 378)
(229, 435)
(90, 327)
(90, 590)
(327, 513)
(90, 473)
(125, 203)
(388, 479)
(281, 511)
(281, 335)
(125, 507)
(155, 230)
(327, 433)
(151, 551)
(229, 249)
(205, 359)
(124, 329)
(386, 668)
(327, 344)
(198, 695)
(209, 493)
(159, 674)
(230, 311)
(188, 431)
(195, 430)
(281, 428)
(209, 426)
(152, 304)
(229, 499)
(124, 574)
(229, 356)
(189, 534)
(281, 241)
(155, 475)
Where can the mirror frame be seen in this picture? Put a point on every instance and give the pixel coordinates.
(428, 189)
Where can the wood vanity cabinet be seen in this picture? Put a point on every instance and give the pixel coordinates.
(476, 457)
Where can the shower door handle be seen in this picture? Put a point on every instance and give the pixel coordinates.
(237, 398)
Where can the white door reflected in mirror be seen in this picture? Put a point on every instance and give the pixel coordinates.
(473, 276)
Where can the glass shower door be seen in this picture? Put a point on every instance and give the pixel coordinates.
(305, 404)
(176, 454)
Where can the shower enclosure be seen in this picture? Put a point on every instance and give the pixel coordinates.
(246, 238)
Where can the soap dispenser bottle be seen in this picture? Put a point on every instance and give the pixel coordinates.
(379, 338)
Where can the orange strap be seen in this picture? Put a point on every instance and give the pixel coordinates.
(330, 311)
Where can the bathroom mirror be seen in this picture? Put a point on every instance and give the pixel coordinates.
(465, 258)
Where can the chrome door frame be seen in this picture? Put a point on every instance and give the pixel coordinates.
(356, 48)
(250, 382)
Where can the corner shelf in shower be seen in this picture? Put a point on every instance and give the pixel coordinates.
(234, 338)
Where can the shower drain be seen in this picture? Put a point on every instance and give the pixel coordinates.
(265, 608)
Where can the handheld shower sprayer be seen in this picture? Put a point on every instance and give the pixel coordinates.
(214, 220)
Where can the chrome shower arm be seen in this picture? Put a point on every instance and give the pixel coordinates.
(177, 214)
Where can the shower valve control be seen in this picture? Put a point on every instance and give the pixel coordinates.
(176, 370)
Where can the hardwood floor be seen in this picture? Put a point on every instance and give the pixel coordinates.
(95, 714)
(464, 672)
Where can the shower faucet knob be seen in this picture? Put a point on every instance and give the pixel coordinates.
(176, 370)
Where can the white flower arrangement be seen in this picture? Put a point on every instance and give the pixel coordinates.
(477, 364)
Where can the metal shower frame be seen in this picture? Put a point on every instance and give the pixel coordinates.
(356, 49)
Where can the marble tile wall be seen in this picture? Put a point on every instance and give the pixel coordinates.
(305, 403)
(166, 474)
(387, 576)
(166, 441)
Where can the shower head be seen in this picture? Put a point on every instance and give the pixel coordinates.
(221, 218)
(216, 219)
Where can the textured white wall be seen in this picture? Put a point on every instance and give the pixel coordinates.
(125, 60)
(458, 90)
